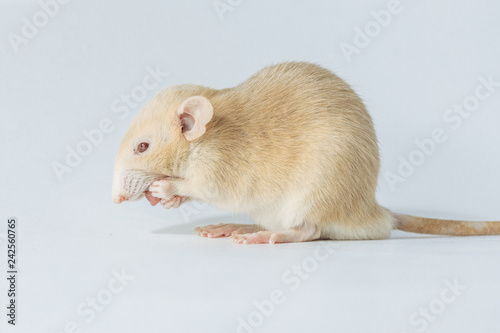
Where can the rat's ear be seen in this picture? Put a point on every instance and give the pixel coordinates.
(194, 113)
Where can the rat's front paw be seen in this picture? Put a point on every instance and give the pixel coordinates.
(162, 189)
(174, 201)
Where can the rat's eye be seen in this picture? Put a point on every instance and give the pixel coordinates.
(142, 147)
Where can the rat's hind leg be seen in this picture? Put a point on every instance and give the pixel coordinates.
(226, 230)
(303, 233)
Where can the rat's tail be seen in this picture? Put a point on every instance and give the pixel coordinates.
(424, 225)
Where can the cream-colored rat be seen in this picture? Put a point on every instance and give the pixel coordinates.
(293, 146)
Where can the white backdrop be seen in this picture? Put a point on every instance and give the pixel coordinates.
(73, 75)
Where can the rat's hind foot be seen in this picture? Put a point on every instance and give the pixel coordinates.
(225, 230)
(260, 237)
(303, 233)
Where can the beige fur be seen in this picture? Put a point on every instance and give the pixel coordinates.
(293, 146)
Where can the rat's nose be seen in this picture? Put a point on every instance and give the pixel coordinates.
(119, 198)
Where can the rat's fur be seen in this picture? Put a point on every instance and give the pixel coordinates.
(292, 146)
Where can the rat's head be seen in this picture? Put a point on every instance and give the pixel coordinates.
(157, 143)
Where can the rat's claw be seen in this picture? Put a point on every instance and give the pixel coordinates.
(177, 201)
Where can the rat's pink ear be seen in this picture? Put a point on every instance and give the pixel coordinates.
(194, 113)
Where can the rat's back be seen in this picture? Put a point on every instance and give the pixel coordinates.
(305, 140)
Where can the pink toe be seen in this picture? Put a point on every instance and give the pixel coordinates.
(272, 239)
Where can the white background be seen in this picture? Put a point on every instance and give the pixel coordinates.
(64, 79)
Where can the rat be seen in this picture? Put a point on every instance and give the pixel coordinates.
(293, 146)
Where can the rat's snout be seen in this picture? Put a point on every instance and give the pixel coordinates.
(117, 193)
(119, 198)
(131, 185)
